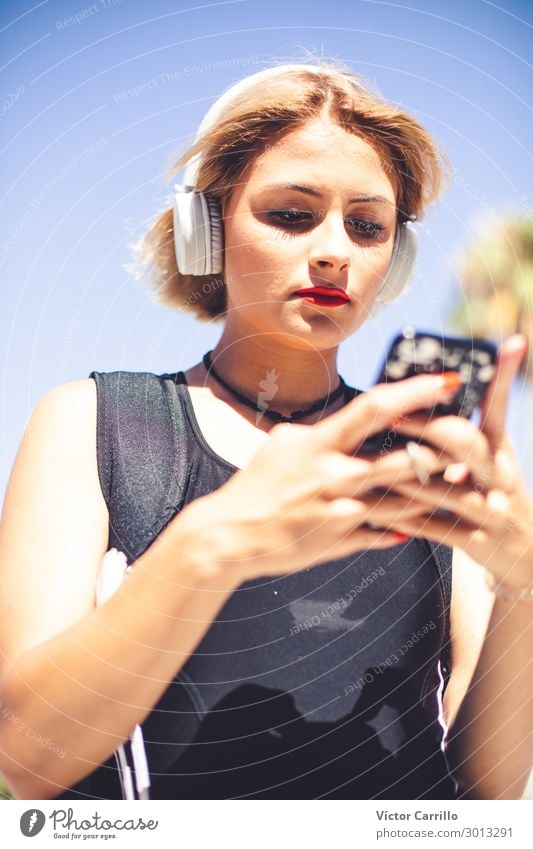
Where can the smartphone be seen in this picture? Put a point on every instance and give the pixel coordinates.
(414, 352)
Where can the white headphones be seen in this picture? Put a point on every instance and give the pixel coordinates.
(198, 227)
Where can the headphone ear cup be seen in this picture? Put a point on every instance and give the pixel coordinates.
(400, 268)
(198, 232)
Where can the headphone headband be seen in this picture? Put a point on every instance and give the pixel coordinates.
(198, 228)
(217, 108)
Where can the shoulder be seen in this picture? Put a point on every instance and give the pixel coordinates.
(76, 402)
(60, 433)
(75, 391)
(62, 406)
(57, 450)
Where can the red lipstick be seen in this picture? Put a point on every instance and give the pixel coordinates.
(324, 296)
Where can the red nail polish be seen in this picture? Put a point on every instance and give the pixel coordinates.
(401, 537)
(451, 381)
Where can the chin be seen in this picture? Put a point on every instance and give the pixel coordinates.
(321, 334)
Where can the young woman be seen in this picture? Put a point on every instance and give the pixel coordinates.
(286, 629)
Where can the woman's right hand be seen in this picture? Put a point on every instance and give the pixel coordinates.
(305, 499)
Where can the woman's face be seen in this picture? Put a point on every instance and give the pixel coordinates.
(279, 239)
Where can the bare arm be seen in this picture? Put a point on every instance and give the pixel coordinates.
(73, 675)
(489, 706)
(85, 689)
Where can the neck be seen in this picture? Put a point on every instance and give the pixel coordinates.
(285, 378)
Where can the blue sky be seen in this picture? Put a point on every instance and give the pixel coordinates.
(98, 100)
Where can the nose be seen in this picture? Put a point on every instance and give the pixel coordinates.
(331, 245)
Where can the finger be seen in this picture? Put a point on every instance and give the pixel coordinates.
(507, 475)
(464, 502)
(363, 539)
(374, 410)
(380, 510)
(494, 406)
(397, 466)
(450, 532)
(456, 473)
(384, 509)
(460, 438)
(341, 475)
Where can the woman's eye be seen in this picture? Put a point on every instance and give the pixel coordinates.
(368, 229)
(291, 218)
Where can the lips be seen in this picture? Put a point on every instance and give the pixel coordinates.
(324, 296)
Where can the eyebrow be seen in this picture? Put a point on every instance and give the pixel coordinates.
(308, 190)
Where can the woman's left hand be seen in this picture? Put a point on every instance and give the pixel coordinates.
(490, 511)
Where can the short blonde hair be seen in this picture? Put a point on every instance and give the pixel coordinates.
(260, 116)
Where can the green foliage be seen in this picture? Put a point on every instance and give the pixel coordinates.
(496, 278)
(4, 792)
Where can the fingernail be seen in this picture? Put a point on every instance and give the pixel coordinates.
(451, 381)
(401, 537)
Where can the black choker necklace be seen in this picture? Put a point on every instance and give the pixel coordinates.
(328, 399)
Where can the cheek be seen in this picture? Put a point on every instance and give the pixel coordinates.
(385, 255)
(371, 263)
(253, 254)
(384, 265)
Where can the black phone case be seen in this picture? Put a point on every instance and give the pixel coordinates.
(413, 353)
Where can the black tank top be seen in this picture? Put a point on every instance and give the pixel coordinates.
(325, 683)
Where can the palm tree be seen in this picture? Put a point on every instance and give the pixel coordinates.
(496, 276)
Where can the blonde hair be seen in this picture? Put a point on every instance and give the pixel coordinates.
(260, 116)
